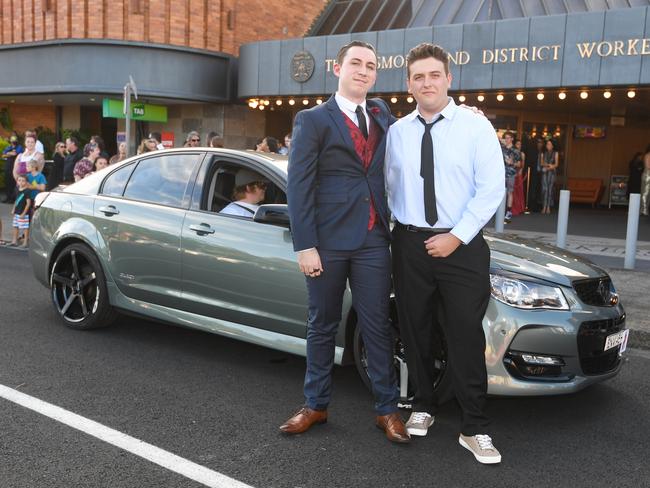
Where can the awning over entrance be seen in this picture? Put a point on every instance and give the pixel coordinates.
(593, 49)
(100, 66)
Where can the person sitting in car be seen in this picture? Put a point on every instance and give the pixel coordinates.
(249, 192)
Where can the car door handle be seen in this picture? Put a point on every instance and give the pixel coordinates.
(109, 210)
(202, 229)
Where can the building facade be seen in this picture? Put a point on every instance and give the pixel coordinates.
(581, 78)
(60, 58)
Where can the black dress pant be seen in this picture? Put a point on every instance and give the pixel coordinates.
(10, 183)
(460, 284)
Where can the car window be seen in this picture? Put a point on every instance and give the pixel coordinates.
(163, 179)
(114, 184)
(223, 181)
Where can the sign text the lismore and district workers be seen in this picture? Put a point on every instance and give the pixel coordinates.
(522, 54)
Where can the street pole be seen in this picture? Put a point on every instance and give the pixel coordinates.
(632, 230)
(500, 215)
(563, 218)
(127, 117)
(129, 88)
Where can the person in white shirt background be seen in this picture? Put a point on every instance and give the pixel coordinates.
(249, 191)
(445, 179)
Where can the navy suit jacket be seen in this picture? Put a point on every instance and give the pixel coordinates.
(328, 190)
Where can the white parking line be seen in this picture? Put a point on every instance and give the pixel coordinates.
(135, 446)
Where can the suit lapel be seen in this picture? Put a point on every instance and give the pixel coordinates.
(374, 111)
(337, 116)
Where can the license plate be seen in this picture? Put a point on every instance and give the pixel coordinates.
(617, 339)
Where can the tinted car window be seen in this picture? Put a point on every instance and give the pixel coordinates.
(162, 179)
(114, 184)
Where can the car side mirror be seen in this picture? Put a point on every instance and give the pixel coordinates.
(272, 214)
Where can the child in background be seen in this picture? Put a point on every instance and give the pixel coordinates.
(35, 179)
(21, 211)
(100, 163)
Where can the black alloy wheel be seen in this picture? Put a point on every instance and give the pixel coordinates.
(442, 384)
(79, 292)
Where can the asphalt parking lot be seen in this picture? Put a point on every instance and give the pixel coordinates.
(218, 403)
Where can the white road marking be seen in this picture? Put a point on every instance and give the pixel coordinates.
(135, 446)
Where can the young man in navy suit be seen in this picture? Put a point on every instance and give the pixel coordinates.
(339, 220)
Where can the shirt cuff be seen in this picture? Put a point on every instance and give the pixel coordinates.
(305, 250)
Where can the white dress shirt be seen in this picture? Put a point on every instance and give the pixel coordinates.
(348, 107)
(468, 171)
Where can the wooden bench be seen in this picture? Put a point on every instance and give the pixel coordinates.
(585, 190)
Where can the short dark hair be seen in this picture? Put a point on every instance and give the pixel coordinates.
(74, 140)
(508, 134)
(344, 50)
(99, 140)
(427, 50)
(156, 136)
(272, 142)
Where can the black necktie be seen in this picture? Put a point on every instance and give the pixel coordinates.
(362, 121)
(427, 172)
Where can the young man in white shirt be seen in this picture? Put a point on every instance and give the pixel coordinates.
(445, 179)
(249, 192)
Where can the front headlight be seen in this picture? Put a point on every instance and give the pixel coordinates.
(527, 294)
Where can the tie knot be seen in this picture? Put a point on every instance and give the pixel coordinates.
(359, 110)
(427, 126)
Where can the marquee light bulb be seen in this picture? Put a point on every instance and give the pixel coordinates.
(462, 99)
(519, 97)
(607, 94)
(540, 96)
(500, 97)
(393, 100)
(278, 102)
(292, 101)
(631, 94)
(409, 99)
(262, 106)
(584, 95)
(305, 102)
(561, 95)
(480, 98)
(319, 101)
(266, 102)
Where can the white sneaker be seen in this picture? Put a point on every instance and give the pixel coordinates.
(418, 423)
(481, 446)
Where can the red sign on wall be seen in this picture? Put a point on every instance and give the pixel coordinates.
(167, 139)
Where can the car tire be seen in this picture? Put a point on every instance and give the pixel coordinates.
(443, 384)
(78, 287)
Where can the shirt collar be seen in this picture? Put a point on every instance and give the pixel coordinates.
(448, 112)
(347, 104)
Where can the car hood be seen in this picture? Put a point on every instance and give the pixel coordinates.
(530, 258)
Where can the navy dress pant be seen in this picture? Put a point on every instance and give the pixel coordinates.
(368, 271)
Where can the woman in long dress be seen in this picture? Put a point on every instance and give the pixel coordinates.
(518, 198)
(549, 161)
(645, 184)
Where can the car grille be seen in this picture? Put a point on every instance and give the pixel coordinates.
(596, 292)
(591, 342)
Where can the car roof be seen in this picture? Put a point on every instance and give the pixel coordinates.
(91, 183)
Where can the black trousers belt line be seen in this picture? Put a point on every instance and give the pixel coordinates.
(429, 230)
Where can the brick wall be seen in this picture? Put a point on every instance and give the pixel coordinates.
(216, 25)
(25, 117)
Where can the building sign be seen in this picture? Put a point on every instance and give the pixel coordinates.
(590, 131)
(139, 111)
(167, 139)
(525, 54)
(302, 66)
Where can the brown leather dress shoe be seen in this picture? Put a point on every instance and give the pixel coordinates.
(303, 419)
(393, 425)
